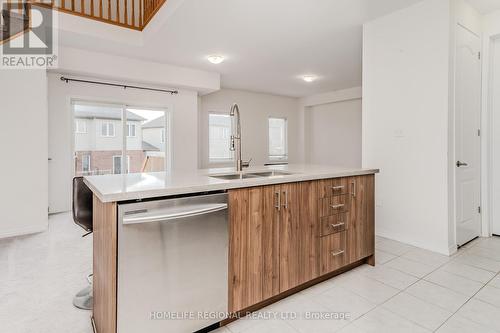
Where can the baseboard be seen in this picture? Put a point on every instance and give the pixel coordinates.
(23, 231)
(399, 238)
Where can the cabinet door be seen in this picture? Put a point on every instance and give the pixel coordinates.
(253, 246)
(361, 233)
(299, 243)
(308, 232)
(289, 236)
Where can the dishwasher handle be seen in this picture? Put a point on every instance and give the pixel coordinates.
(173, 213)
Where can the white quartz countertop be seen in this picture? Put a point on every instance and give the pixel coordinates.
(134, 186)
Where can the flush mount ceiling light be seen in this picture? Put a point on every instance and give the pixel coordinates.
(309, 78)
(215, 59)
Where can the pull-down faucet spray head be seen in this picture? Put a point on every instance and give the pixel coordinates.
(236, 139)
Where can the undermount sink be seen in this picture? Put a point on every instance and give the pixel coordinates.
(271, 173)
(235, 176)
(248, 175)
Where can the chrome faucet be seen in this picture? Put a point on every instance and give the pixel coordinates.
(236, 139)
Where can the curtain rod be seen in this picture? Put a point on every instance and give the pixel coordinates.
(67, 80)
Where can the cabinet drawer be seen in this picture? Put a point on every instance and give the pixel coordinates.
(333, 224)
(333, 252)
(334, 205)
(330, 187)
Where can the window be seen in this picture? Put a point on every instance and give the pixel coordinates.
(219, 135)
(85, 163)
(115, 130)
(80, 126)
(117, 164)
(278, 149)
(131, 130)
(108, 129)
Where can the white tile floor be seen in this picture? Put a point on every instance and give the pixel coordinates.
(410, 290)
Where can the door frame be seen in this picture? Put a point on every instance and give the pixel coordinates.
(488, 54)
(452, 136)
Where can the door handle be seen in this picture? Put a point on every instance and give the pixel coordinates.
(337, 253)
(461, 164)
(278, 201)
(285, 205)
(175, 214)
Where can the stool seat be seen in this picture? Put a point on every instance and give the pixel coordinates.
(82, 204)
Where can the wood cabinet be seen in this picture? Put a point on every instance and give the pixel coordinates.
(289, 233)
(253, 246)
(273, 241)
(361, 235)
(283, 236)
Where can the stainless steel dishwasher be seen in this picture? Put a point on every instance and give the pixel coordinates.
(172, 264)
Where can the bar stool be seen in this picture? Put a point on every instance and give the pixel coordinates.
(82, 216)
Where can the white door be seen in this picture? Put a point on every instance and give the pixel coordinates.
(467, 139)
(495, 136)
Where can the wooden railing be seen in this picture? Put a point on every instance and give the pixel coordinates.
(133, 14)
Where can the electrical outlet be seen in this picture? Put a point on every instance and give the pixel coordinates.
(398, 133)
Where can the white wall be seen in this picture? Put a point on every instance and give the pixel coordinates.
(23, 143)
(255, 110)
(495, 138)
(184, 127)
(490, 169)
(333, 133)
(405, 122)
(107, 66)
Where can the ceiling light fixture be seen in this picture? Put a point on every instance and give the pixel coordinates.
(215, 59)
(309, 78)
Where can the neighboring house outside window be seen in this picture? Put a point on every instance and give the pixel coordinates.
(108, 129)
(278, 145)
(86, 163)
(107, 139)
(80, 126)
(219, 136)
(117, 164)
(131, 130)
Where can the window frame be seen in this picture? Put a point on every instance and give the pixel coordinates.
(276, 158)
(108, 125)
(231, 129)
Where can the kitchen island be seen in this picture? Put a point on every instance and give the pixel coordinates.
(289, 227)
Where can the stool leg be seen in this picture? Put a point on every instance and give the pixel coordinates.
(84, 299)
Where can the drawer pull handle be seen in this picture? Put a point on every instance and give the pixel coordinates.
(337, 188)
(337, 253)
(337, 206)
(337, 225)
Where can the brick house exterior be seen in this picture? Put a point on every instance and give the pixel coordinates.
(101, 162)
